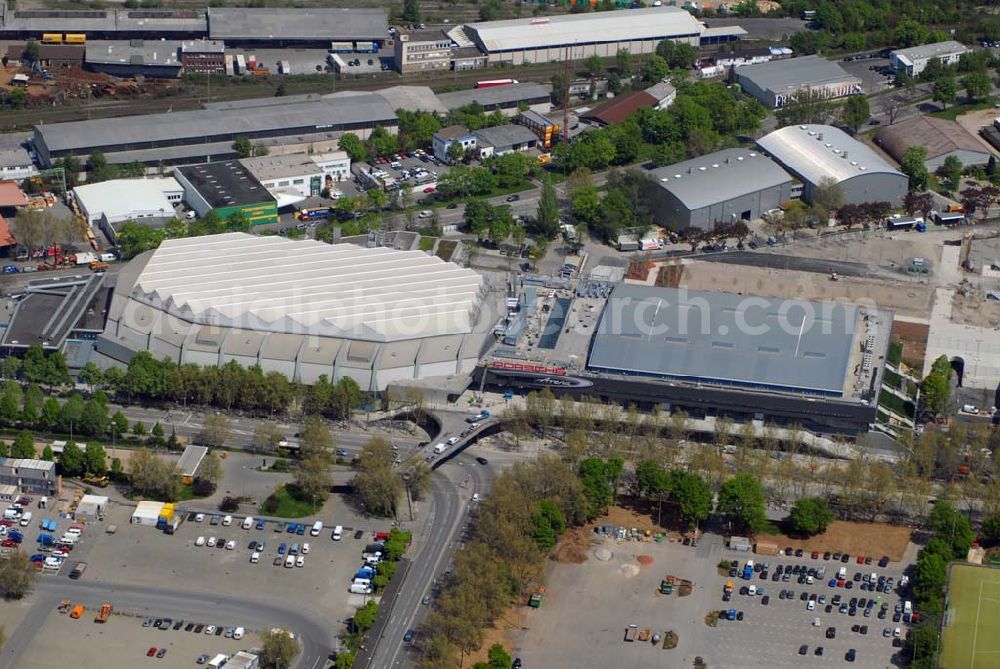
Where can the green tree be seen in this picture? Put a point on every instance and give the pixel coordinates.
(210, 468)
(50, 413)
(152, 476)
(364, 617)
(856, 112)
(72, 460)
(157, 430)
(243, 146)
(455, 152)
(119, 423)
(376, 483)
(139, 429)
(547, 219)
(945, 90)
(47, 454)
(991, 531)
(655, 70)
(499, 657)
(914, 167)
(91, 375)
(593, 65)
(23, 446)
(93, 419)
(96, 459)
(596, 479)
(353, 146)
(951, 169)
(692, 494)
(677, 54)
(950, 525)
(810, 516)
(623, 62)
(134, 239)
(17, 575)
(31, 51)
(411, 11)
(741, 500)
(279, 649)
(936, 387)
(548, 522)
(978, 86)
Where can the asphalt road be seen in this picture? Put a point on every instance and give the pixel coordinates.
(169, 602)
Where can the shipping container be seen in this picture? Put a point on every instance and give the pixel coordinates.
(52, 38)
(949, 218)
(241, 64)
(341, 47)
(765, 548)
(251, 62)
(366, 47)
(284, 67)
(229, 65)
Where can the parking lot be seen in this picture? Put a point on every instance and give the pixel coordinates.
(570, 630)
(122, 641)
(137, 554)
(417, 170)
(778, 631)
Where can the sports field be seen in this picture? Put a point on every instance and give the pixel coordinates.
(971, 638)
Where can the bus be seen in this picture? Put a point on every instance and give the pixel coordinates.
(491, 83)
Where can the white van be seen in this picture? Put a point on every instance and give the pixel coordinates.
(337, 532)
(317, 528)
(25, 519)
(227, 521)
(108, 257)
(238, 633)
(907, 607)
(439, 448)
(218, 661)
(247, 523)
(367, 582)
(361, 589)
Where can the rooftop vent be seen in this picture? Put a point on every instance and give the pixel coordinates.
(820, 137)
(812, 133)
(739, 157)
(715, 164)
(702, 169)
(753, 155)
(802, 127)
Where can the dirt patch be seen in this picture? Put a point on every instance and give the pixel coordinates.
(644, 560)
(975, 310)
(573, 547)
(503, 632)
(913, 336)
(908, 299)
(669, 276)
(868, 539)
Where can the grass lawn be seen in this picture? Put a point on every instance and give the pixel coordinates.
(427, 243)
(895, 354)
(446, 248)
(284, 504)
(958, 110)
(897, 404)
(971, 633)
(892, 379)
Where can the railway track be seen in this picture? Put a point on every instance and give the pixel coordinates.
(188, 98)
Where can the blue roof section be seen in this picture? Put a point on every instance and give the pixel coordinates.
(726, 339)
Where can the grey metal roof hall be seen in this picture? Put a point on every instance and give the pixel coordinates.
(504, 136)
(497, 95)
(720, 176)
(131, 133)
(313, 24)
(726, 339)
(791, 74)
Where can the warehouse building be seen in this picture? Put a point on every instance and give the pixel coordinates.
(510, 99)
(119, 200)
(776, 83)
(110, 24)
(546, 39)
(914, 60)
(187, 137)
(501, 139)
(228, 189)
(30, 477)
(299, 174)
(422, 51)
(815, 154)
(941, 138)
(315, 26)
(618, 108)
(721, 187)
(301, 308)
(204, 56)
(134, 58)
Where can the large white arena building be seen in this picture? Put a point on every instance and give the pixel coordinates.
(302, 308)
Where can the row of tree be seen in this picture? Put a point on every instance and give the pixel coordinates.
(134, 238)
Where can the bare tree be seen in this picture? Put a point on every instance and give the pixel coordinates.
(891, 105)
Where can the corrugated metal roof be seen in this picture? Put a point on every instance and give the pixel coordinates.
(935, 50)
(496, 95)
(340, 290)
(277, 23)
(792, 74)
(503, 136)
(720, 176)
(125, 197)
(201, 125)
(617, 26)
(725, 338)
(814, 152)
